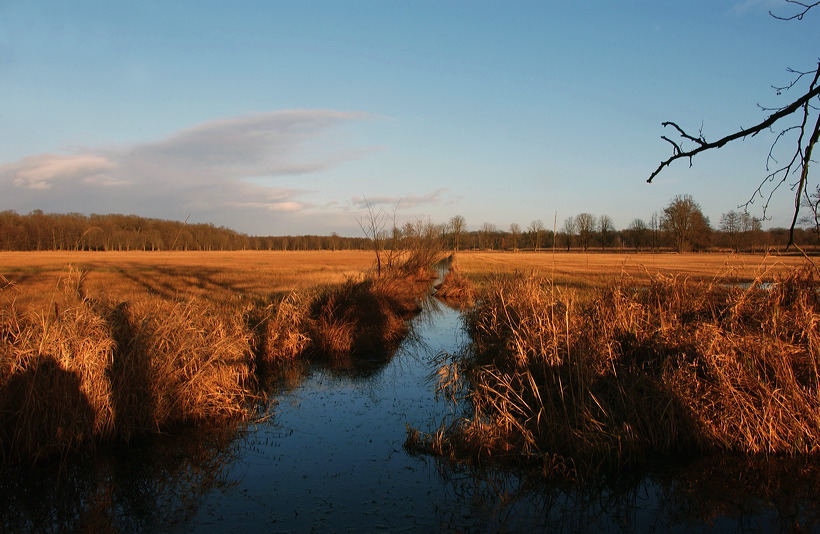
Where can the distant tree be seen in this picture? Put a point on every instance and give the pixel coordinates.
(803, 132)
(486, 236)
(730, 226)
(636, 233)
(655, 231)
(605, 228)
(536, 230)
(515, 231)
(684, 223)
(585, 224)
(750, 228)
(457, 226)
(568, 230)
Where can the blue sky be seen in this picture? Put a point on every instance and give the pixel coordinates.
(282, 117)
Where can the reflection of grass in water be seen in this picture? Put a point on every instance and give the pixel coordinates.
(88, 369)
(155, 484)
(772, 493)
(570, 383)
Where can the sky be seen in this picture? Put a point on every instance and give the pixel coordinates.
(292, 117)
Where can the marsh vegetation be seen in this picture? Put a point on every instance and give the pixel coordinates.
(571, 365)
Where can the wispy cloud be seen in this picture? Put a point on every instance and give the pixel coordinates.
(41, 171)
(403, 202)
(215, 165)
(755, 5)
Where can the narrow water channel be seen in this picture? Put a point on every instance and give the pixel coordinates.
(330, 458)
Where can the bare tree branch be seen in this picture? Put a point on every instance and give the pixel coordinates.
(800, 159)
(797, 16)
(804, 177)
(752, 131)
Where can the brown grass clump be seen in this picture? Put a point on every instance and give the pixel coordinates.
(456, 289)
(635, 372)
(82, 372)
(362, 317)
(177, 362)
(283, 337)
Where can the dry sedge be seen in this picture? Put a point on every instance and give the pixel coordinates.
(363, 317)
(634, 371)
(82, 372)
(81, 366)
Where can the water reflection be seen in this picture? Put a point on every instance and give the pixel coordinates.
(330, 457)
(153, 485)
(719, 493)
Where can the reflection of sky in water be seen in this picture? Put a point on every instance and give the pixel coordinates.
(331, 459)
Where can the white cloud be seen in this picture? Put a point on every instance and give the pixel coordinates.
(214, 166)
(41, 171)
(402, 202)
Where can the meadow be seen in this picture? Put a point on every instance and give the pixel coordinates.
(225, 277)
(100, 347)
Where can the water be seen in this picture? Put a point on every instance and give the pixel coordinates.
(330, 458)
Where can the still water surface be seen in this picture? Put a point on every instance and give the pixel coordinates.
(330, 458)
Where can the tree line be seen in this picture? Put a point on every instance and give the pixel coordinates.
(680, 226)
(75, 231)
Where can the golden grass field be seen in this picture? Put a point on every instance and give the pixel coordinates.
(582, 270)
(229, 276)
(216, 276)
(102, 346)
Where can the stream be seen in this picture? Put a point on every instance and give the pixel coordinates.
(330, 458)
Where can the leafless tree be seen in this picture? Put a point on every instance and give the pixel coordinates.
(374, 224)
(684, 223)
(515, 231)
(457, 226)
(637, 233)
(605, 227)
(536, 228)
(585, 224)
(797, 122)
(568, 229)
(486, 235)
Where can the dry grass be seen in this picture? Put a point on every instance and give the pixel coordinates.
(597, 270)
(579, 381)
(144, 342)
(82, 372)
(363, 318)
(456, 289)
(226, 278)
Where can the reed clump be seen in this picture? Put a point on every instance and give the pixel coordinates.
(281, 330)
(84, 372)
(456, 288)
(573, 382)
(363, 317)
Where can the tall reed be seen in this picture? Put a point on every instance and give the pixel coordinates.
(83, 372)
(571, 381)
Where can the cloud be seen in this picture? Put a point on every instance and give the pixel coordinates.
(217, 165)
(41, 171)
(755, 5)
(403, 202)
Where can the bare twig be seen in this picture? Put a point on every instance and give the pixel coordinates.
(797, 16)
